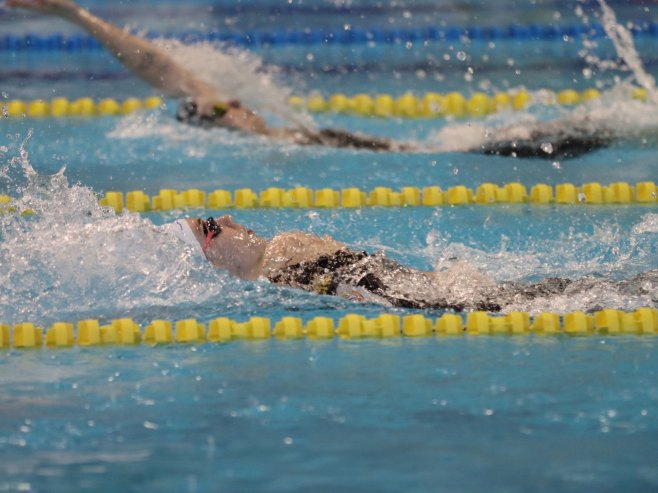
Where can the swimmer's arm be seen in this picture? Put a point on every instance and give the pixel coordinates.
(330, 137)
(143, 58)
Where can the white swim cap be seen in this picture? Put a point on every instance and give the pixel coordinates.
(182, 230)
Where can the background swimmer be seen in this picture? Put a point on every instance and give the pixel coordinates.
(201, 104)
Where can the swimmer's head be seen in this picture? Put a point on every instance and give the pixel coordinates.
(230, 246)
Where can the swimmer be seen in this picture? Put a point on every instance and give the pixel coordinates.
(563, 138)
(200, 102)
(325, 266)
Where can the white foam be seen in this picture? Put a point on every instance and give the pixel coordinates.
(649, 224)
(622, 39)
(181, 231)
(615, 115)
(73, 259)
(607, 252)
(238, 74)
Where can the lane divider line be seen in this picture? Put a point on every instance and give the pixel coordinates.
(405, 106)
(84, 107)
(349, 36)
(124, 331)
(645, 193)
(594, 193)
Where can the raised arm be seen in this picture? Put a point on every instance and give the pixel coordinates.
(156, 67)
(143, 58)
(153, 65)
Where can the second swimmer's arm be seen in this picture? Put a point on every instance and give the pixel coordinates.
(143, 58)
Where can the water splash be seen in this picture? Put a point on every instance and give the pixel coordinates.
(238, 74)
(622, 39)
(620, 118)
(596, 63)
(609, 252)
(73, 259)
(70, 258)
(17, 168)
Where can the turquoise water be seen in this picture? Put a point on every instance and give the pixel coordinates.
(500, 414)
(492, 414)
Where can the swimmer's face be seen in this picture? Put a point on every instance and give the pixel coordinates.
(242, 118)
(230, 114)
(235, 248)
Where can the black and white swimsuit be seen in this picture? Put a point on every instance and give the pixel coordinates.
(376, 278)
(360, 276)
(558, 139)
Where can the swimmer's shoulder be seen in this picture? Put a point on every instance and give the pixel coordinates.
(301, 241)
(294, 247)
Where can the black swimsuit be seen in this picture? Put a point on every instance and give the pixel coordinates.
(394, 284)
(555, 147)
(553, 140)
(357, 269)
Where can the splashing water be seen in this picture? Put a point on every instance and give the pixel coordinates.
(607, 250)
(602, 255)
(620, 118)
(70, 258)
(622, 39)
(238, 74)
(73, 259)
(18, 168)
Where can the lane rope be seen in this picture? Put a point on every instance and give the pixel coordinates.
(167, 199)
(407, 105)
(452, 104)
(346, 36)
(642, 321)
(85, 106)
(431, 196)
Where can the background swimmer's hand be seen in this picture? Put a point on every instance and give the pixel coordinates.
(57, 7)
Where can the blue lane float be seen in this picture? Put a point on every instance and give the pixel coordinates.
(79, 42)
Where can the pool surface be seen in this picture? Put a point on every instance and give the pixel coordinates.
(467, 413)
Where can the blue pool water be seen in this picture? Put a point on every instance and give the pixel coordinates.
(493, 414)
(496, 414)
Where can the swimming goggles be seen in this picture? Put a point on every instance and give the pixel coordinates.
(220, 109)
(188, 112)
(210, 230)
